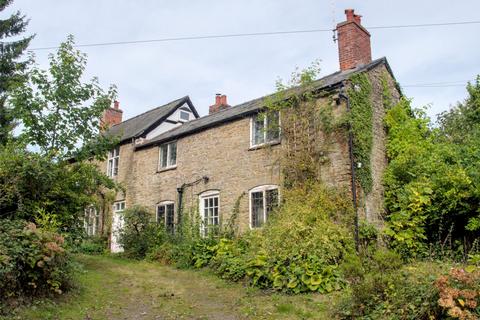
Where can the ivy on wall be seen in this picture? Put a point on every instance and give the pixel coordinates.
(361, 126)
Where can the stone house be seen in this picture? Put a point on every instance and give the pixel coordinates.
(170, 158)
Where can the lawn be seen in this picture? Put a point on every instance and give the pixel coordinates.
(114, 288)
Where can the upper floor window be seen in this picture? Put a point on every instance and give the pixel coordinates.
(168, 155)
(118, 206)
(210, 211)
(166, 214)
(91, 221)
(184, 115)
(265, 128)
(263, 200)
(113, 159)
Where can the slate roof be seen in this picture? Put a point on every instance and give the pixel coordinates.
(250, 107)
(140, 125)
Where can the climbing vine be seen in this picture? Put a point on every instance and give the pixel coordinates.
(361, 126)
(307, 123)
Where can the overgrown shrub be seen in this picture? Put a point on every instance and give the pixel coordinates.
(140, 232)
(93, 245)
(32, 261)
(383, 287)
(298, 250)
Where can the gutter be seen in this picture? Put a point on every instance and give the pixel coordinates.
(352, 168)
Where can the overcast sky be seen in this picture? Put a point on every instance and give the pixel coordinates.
(152, 74)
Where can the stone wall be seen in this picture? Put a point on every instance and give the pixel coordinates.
(371, 205)
(223, 155)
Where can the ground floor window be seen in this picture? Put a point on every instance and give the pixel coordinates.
(91, 221)
(210, 211)
(263, 200)
(166, 214)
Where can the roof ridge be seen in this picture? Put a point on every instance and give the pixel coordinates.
(151, 110)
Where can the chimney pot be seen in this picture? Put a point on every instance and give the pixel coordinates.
(350, 13)
(223, 99)
(116, 104)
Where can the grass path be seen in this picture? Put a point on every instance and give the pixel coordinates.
(113, 288)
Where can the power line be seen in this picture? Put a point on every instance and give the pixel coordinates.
(439, 84)
(255, 34)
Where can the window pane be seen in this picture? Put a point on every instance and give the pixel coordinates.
(184, 115)
(173, 154)
(163, 156)
(271, 198)
(258, 130)
(161, 214)
(257, 209)
(115, 166)
(170, 217)
(273, 127)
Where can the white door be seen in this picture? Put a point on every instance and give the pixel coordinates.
(117, 226)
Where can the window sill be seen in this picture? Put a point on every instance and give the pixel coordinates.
(166, 169)
(264, 145)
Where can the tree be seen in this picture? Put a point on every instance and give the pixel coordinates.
(60, 114)
(10, 68)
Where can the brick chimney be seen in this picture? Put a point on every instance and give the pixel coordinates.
(220, 104)
(112, 116)
(353, 42)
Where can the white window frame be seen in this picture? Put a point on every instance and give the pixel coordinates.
(165, 219)
(210, 194)
(169, 155)
(91, 220)
(113, 162)
(119, 206)
(265, 130)
(262, 189)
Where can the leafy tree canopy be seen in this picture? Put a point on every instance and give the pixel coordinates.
(60, 114)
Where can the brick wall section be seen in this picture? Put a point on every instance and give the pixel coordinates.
(353, 42)
(112, 116)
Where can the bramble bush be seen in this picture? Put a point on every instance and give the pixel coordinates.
(32, 261)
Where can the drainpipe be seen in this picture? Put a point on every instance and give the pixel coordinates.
(180, 192)
(352, 168)
(180, 200)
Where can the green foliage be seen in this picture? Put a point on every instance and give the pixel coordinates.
(58, 112)
(381, 287)
(10, 67)
(361, 126)
(52, 194)
(93, 245)
(140, 233)
(297, 251)
(32, 261)
(432, 185)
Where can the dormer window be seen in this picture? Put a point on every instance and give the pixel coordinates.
(168, 156)
(185, 116)
(113, 160)
(265, 129)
